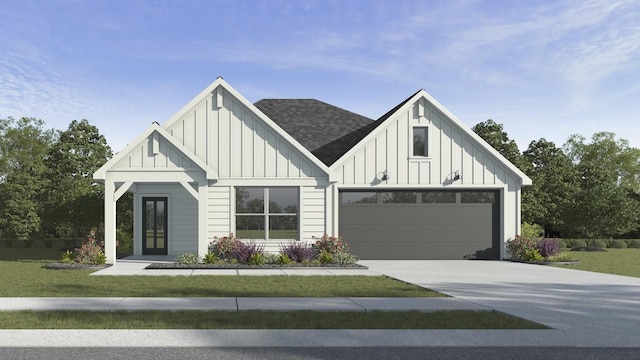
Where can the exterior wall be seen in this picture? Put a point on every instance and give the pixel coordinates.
(155, 153)
(182, 216)
(450, 150)
(236, 143)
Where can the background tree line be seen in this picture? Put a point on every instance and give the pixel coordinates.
(46, 183)
(584, 189)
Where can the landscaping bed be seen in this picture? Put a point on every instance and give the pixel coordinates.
(165, 266)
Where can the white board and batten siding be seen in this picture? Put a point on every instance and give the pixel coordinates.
(245, 150)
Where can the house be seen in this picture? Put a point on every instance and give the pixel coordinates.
(414, 184)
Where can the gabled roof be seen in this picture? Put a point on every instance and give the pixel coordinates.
(363, 135)
(325, 130)
(100, 174)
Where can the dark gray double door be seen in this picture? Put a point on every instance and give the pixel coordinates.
(421, 225)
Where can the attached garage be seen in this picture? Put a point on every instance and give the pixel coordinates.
(421, 225)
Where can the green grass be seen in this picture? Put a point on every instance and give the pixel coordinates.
(614, 261)
(262, 320)
(28, 278)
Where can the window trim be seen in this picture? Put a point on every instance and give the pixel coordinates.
(427, 147)
(266, 214)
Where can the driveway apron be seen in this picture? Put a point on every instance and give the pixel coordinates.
(592, 309)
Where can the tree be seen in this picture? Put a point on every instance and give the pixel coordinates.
(555, 183)
(494, 134)
(608, 173)
(23, 146)
(74, 197)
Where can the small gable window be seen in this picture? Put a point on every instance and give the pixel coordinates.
(420, 141)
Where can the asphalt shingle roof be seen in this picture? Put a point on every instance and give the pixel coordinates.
(327, 131)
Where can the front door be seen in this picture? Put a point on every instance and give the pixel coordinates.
(155, 231)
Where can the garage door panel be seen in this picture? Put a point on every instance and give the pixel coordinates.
(421, 231)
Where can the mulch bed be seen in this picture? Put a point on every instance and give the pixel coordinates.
(62, 266)
(158, 266)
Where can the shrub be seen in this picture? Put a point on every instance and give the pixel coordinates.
(330, 244)
(90, 252)
(562, 244)
(597, 244)
(518, 247)
(576, 244)
(256, 258)
(561, 257)
(325, 257)
(284, 259)
(634, 244)
(344, 258)
(547, 247)
(188, 259)
(271, 258)
(298, 251)
(243, 251)
(223, 247)
(532, 231)
(618, 244)
(67, 257)
(533, 255)
(209, 258)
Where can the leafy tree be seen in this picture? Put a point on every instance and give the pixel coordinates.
(555, 183)
(23, 146)
(74, 198)
(608, 173)
(494, 134)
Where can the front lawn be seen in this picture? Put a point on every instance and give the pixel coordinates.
(613, 261)
(262, 320)
(27, 278)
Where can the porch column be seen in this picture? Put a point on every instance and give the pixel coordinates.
(109, 221)
(203, 201)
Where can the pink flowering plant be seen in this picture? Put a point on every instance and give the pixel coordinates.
(225, 246)
(91, 252)
(330, 244)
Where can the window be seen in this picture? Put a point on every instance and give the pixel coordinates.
(438, 197)
(267, 213)
(478, 197)
(420, 141)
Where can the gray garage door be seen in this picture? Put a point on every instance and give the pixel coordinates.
(421, 225)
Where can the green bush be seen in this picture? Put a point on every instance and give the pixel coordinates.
(618, 244)
(271, 258)
(209, 258)
(188, 259)
(67, 257)
(562, 243)
(284, 259)
(531, 231)
(578, 243)
(634, 244)
(598, 244)
(344, 258)
(519, 246)
(533, 255)
(325, 257)
(256, 258)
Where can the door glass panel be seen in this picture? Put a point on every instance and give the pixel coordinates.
(150, 224)
(160, 216)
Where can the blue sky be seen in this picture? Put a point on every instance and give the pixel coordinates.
(542, 68)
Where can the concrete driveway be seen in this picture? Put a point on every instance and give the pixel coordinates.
(592, 309)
